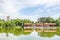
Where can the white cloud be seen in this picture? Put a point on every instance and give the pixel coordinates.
(56, 16)
(8, 8)
(36, 2)
(11, 7)
(32, 17)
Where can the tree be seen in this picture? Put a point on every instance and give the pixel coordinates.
(42, 20)
(2, 22)
(50, 20)
(46, 20)
(58, 22)
(17, 22)
(27, 21)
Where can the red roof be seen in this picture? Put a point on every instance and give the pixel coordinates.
(38, 24)
(45, 24)
(53, 24)
(27, 23)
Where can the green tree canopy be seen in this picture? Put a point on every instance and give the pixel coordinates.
(58, 21)
(46, 20)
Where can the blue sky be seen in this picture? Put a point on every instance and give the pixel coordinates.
(29, 9)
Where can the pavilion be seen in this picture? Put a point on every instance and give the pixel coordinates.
(28, 27)
(47, 27)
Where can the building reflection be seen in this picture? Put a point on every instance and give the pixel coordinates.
(46, 30)
(46, 27)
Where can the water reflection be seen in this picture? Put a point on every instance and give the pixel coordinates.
(32, 36)
(47, 34)
(28, 34)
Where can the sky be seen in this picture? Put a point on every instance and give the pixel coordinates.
(29, 9)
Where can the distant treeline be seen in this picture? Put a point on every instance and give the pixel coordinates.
(14, 22)
(20, 22)
(48, 20)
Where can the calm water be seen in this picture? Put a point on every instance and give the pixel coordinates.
(32, 36)
(20, 34)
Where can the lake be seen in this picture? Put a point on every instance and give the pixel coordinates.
(30, 34)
